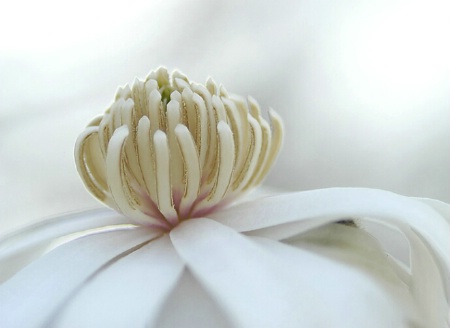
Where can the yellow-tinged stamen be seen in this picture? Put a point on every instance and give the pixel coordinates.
(169, 149)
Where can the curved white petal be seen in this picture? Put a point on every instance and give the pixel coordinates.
(19, 248)
(428, 284)
(334, 202)
(328, 274)
(32, 296)
(190, 306)
(133, 290)
(425, 227)
(336, 294)
(273, 216)
(263, 283)
(437, 205)
(356, 248)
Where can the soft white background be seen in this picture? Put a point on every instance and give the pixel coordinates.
(363, 86)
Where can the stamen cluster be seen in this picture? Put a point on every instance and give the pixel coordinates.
(169, 149)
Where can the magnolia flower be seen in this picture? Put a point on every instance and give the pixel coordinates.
(173, 157)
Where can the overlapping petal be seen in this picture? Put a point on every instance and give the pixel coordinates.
(19, 248)
(277, 261)
(33, 296)
(426, 228)
(264, 283)
(134, 290)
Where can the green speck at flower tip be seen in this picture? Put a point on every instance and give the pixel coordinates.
(169, 149)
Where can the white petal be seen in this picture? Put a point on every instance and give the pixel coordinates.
(425, 228)
(336, 294)
(130, 292)
(19, 248)
(32, 296)
(263, 283)
(356, 248)
(441, 207)
(190, 306)
(429, 284)
(328, 205)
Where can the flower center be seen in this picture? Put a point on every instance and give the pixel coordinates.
(168, 149)
(165, 91)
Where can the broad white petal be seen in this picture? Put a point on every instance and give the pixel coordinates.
(32, 296)
(357, 249)
(441, 207)
(429, 284)
(350, 245)
(336, 294)
(263, 283)
(425, 227)
(318, 207)
(19, 248)
(190, 306)
(130, 292)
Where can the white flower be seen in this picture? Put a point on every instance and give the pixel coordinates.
(304, 259)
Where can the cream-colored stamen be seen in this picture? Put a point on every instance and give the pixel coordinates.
(169, 149)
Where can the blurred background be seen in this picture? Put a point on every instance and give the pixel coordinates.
(363, 86)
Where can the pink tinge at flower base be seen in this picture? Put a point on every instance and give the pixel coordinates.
(169, 149)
